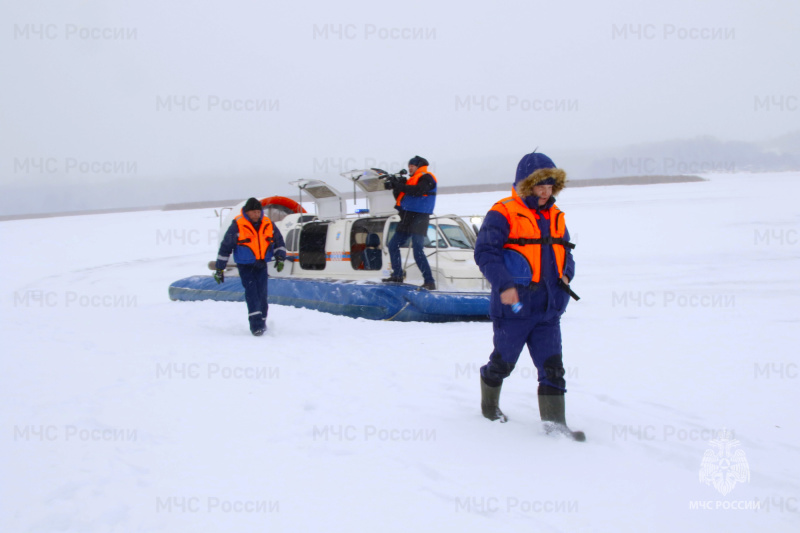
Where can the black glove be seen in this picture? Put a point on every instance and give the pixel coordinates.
(279, 265)
(389, 183)
(219, 276)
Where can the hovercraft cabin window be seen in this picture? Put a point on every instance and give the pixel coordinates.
(431, 240)
(365, 243)
(291, 240)
(312, 246)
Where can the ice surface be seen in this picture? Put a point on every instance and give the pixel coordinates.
(124, 411)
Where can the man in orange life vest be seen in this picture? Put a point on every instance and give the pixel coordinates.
(254, 240)
(523, 249)
(415, 201)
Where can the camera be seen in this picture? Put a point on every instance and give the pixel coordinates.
(392, 181)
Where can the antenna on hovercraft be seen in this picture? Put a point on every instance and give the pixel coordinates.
(300, 193)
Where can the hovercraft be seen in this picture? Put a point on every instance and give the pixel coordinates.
(335, 260)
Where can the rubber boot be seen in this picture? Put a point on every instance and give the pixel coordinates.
(551, 410)
(490, 403)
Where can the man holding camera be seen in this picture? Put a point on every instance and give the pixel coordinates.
(416, 198)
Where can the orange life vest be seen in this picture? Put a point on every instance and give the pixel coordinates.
(258, 241)
(526, 238)
(413, 180)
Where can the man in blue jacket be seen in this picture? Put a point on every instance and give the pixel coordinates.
(254, 240)
(523, 249)
(416, 199)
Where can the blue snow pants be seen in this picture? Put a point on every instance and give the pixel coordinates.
(418, 244)
(543, 338)
(254, 281)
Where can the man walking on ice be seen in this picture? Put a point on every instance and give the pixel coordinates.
(523, 249)
(254, 240)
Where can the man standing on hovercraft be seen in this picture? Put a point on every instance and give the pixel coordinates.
(416, 198)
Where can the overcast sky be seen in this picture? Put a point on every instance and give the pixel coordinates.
(153, 96)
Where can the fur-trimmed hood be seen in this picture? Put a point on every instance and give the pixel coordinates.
(525, 187)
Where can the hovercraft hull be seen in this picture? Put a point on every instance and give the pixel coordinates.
(370, 300)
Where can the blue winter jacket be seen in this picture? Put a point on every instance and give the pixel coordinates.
(538, 300)
(243, 255)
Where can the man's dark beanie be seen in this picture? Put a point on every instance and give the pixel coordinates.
(251, 205)
(418, 161)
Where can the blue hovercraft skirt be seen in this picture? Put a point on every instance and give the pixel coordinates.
(375, 301)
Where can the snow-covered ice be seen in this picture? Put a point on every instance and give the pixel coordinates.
(123, 411)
